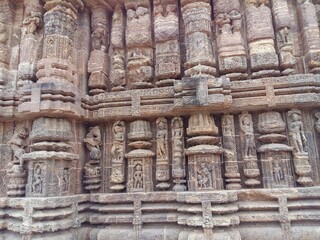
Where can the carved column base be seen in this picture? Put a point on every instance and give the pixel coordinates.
(204, 168)
(303, 169)
(251, 171)
(17, 181)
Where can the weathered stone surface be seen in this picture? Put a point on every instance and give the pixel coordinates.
(159, 119)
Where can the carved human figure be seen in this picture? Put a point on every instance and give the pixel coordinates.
(3, 33)
(99, 39)
(117, 149)
(296, 131)
(204, 176)
(93, 142)
(138, 176)
(162, 139)
(91, 171)
(18, 143)
(32, 22)
(277, 172)
(317, 124)
(247, 129)
(37, 180)
(65, 180)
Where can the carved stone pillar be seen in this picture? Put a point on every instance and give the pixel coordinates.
(298, 141)
(162, 161)
(50, 161)
(31, 42)
(118, 73)
(204, 157)
(98, 65)
(260, 36)
(282, 20)
(140, 159)
(92, 168)
(310, 35)
(274, 155)
(6, 21)
(139, 44)
(198, 38)
(230, 44)
(166, 30)
(230, 153)
(178, 156)
(57, 64)
(118, 150)
(249, 154)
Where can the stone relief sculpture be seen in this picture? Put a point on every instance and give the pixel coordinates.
(166, 28)
(198, 38)
(140, 158)
(98, 65)
(260, 36)
(284, 36)
(37, 180)
(230, 43)
(298, 141)
(178, 161)
(15, 170)
(230, 153)
(118, 76)
(204, 156)
(162, 162)
(249, 155)
(317, 123)
(139, 44)
(308, 22)
(274, 154)
(117, 152)
(92, 169)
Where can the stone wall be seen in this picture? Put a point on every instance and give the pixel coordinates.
(159, 119)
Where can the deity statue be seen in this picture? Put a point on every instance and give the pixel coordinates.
(296, 131)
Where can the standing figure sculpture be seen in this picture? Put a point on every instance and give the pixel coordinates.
(247, 129)
(93, 142)
(296, 131)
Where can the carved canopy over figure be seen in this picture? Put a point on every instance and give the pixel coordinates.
(93, 142)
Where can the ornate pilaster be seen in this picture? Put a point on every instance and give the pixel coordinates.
(275, 156)
(31, 42)
(166, 30)
(98, 65)
(57, 64)
(178, 156)
(204, 156)
(118, 73)
(230, 43)
(298, 141)
(260, 36)
(51, 158)
(139, 44)
(249, 153)
(118, 150)
(198, 38)
(232, 174)
(284, 38)
(309, 28)
(140, 159)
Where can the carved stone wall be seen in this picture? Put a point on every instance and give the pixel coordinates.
(160, 119)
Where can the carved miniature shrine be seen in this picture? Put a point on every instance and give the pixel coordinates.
(160, 119)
